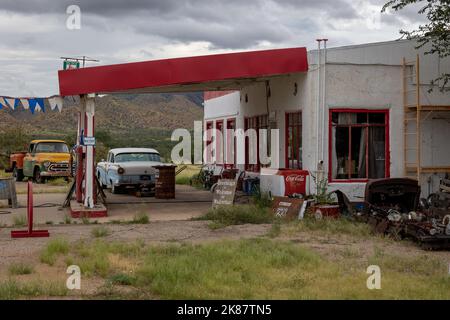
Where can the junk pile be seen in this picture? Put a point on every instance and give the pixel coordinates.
(393, 207)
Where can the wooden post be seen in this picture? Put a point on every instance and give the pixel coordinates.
(418, 115)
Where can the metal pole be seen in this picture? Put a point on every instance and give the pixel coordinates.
(318, 100)
(324, 97)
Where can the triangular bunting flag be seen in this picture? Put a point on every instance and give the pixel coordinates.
(32, 104)
(40, 104)
(4, 102)
(56, 102)
(25, 103)
(12, 103)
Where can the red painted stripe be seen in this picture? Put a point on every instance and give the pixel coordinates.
(182, 71)
(208, 95)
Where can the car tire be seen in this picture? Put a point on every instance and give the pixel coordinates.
(37, 176)
(18, 174)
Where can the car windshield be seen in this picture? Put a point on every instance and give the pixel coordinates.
(51, 147)
(141, 156)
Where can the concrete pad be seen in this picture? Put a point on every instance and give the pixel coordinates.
(189, 203)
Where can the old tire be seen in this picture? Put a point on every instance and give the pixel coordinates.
(37, 176)
(18, 174)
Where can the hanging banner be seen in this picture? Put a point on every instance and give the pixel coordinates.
(32, 104)
(12, 103)
(25, 103)
(56, 102)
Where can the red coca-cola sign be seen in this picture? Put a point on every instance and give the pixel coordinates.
(295, 181)
(295, 178)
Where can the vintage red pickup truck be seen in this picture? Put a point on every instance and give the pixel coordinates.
(44, 159)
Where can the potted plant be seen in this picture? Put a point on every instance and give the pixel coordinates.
(324, 204)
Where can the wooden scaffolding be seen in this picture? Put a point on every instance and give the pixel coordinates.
(414, 113)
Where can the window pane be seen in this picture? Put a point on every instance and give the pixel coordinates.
(377, 152)
(358, 149)
(361, 117)
(340, 152)
(377, 118)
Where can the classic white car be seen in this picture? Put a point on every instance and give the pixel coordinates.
(129, 168)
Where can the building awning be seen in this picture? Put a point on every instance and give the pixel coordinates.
(229, 71)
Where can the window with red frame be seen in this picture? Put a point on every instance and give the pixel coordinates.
(208, 146)
(231, 144)
(294, 140)
(257, 123)
(359, 144)
(219, 142)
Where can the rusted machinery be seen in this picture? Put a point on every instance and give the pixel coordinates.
(393, 207)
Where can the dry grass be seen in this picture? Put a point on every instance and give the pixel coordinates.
(186, 175)
(20, 269)
(257, 269)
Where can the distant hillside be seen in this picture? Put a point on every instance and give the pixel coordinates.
(117, 114)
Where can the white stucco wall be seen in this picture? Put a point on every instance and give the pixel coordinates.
(359, 77)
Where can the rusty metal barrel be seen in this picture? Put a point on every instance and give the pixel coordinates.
(165, 182)
(8, 191)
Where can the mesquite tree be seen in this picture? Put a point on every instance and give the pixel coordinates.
(435, 33)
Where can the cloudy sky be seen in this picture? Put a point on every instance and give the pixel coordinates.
(34, 35)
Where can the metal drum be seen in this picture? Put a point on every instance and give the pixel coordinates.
(8, 191)
(165, 182)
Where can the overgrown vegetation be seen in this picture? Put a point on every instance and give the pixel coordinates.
(19, 220)
(20, 269)
(327, 226)
(187, 175)
(53, 249)
(434, 34)
(57, 182)
(140, 218)
(100, 232)
(11, 289)
(223, 216)
(257, 269)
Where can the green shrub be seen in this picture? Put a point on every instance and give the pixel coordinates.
(140, 218)
(54, 248)
(20, 269)
(101, 231)
(238, 214)
(20, 220)
(122, 279)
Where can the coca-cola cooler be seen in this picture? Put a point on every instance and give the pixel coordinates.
(284, 182)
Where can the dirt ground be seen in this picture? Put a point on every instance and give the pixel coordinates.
(169, 223)
(159, 232)
(189, 202)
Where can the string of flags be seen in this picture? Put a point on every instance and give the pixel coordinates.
(32, 104)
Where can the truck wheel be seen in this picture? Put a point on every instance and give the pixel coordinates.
(37, 176)
(18, 174)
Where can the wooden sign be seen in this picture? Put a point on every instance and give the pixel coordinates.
(224, 192)
(288, 208)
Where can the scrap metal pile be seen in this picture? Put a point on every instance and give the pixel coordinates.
(393, 207)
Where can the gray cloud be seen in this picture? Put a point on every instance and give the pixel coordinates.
(34, 35)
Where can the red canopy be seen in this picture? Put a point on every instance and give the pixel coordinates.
(203, 73)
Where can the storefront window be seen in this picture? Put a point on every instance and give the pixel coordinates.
(294, 140)
(257, 123)
(359, 144)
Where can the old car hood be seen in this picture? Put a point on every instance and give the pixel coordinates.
(400, 193)
(53, 157)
